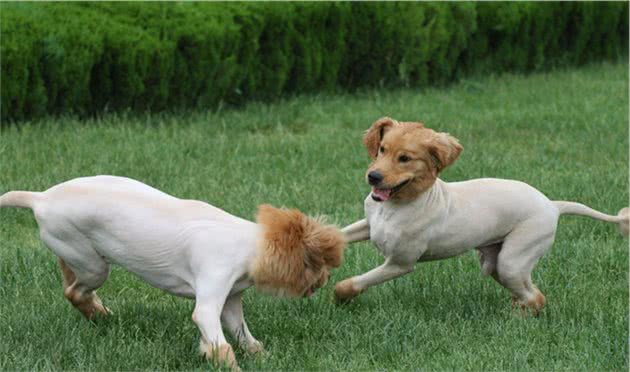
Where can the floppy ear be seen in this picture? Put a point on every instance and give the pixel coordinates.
(294, 251)
(444, 149)
(373, 136)
(324, 245)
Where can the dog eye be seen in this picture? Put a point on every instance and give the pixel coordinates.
(382, 149)
(403, 158)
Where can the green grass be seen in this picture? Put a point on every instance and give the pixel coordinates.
(564, 132)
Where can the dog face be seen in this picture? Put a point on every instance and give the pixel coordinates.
(406, 158)
(295, 252)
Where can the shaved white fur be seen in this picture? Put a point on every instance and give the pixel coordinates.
(172, 244)
(185, 247)
(511, 224)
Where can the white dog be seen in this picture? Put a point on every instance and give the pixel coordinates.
(411, 215)
(185, 247)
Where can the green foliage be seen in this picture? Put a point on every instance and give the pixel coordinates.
(87, 58)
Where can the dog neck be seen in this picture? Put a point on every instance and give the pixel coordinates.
(393, 223)
(252, 256)
(434, 197)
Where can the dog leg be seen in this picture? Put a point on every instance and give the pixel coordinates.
(67, 275)
(350, 288)
(80, 291)
(83, 270)
(357, 231)
(233, 320)
(488, 256)
(521, 250)
(207, 313)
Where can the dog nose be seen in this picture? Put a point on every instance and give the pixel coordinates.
(374, 178)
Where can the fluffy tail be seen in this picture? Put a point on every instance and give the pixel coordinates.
(622, 219)
(20, 199)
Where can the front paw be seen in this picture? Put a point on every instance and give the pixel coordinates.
(221, 355)
(345, 291)
(255, 347)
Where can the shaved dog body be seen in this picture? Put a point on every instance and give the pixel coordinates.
(185, 247)
(412, 215)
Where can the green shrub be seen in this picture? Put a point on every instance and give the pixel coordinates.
(87, 58)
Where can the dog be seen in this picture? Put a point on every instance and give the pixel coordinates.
(185, 247)
(413, 216)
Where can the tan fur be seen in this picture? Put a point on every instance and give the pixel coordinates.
(67, 275)
(430, 152)
(295, 252)
(345, 291)
(373, 136)
(532, 306)
(221, 356)
(256, 348)
(446, 149)
(538, 302)
(87, 302)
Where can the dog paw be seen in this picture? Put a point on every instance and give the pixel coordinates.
(103, 311)
(345, 291)
(99, 308)
(255, 348)
(530, 308)
(221, 355)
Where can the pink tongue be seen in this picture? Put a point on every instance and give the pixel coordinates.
(382, 194)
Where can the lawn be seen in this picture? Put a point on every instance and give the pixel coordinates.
(564, 132)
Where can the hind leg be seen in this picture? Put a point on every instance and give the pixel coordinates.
(521, 250)
(488, 257)
(67, 275)
(81, 291)
(82, 268)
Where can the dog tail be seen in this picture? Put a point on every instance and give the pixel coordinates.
(19, 199)
(622, 219)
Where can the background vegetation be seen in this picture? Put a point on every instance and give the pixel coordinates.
(564, 132)
(89, 58)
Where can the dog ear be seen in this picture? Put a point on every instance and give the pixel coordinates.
(444, 149)
(294, 251)
(373, 136)
(325, 244)
(324, 250)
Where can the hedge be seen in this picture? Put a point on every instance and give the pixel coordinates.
(87, 58)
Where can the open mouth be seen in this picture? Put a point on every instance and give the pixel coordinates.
(380, 194)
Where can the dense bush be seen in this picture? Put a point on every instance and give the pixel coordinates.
(87, 58)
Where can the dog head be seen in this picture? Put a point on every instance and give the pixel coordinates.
(295, 252)
(406, 158)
